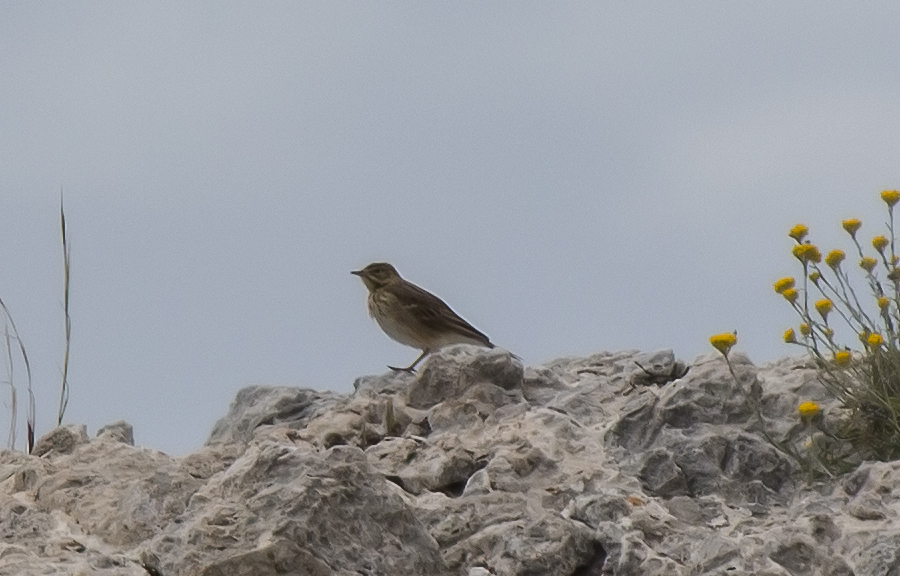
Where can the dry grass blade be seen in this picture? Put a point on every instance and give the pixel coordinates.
(64, 391)
(15, 336)
(13, 406)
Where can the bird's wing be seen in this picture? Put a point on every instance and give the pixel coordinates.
(435, 314)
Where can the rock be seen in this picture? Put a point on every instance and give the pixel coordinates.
(658, 368)
(417, 471)
(61, 440)
(81, 508)
(662, 477)
(120, 431)
(209, 460)
(474, 467)
(390, 383)
(281, 558)
(326, 512)
(146, 487)
(452, 370)
(257, 406)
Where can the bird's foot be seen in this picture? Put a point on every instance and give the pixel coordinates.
(408, 369)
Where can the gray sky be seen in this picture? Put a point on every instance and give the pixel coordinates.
(569, 177)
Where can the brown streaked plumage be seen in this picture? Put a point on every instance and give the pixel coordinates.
(413, 316)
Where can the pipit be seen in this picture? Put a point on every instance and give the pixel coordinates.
(413, 316)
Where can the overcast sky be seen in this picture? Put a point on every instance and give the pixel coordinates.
(569, 177)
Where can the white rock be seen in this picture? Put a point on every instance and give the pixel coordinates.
(476, 466)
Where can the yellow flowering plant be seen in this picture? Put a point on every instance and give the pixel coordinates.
(724, 342)
(851, 226)
(842, 358)
(798, 232)
(834, 258)
(868, 264)
(790, 337)
(808, 410)
(783, 284)
(890, 197)
(824, 306)
(867, 381)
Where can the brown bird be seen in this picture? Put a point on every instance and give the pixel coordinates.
(413, 316)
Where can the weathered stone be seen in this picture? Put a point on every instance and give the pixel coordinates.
(662, 477)
(61, 440)
(451, 371)
(147, 487)
(390, 383)
(279, 558)
(257, 406)
(332, 504)
(658, 368)
(475, 467)
(119, 431)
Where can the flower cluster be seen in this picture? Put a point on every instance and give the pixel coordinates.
(867, 381)
(836, 291)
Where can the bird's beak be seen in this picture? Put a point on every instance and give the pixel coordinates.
(356, 272)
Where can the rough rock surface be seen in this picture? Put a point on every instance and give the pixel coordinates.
(476, 466)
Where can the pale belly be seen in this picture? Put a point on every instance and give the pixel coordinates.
(400, 332)
(403, 328)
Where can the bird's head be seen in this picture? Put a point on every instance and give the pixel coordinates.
(377, 275)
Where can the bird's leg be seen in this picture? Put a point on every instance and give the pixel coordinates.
(411, 369)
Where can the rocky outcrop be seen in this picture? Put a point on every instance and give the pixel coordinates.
(616, 463)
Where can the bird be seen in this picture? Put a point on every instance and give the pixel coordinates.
(413, 316)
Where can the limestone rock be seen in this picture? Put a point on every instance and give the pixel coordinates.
(454, 369)
(476, 466)
(119, 431)
(658, 368)
(326, 512)
(258, 406)
(61, 440)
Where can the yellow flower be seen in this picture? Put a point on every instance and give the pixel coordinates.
(798, 232)
(894, 274)
(808, 411)
(828, 332)
(874, 340)
(883, 302)
(723, 342)
(851, 225)
(814, 276)
(834, 258)
(790, 337)
(842, 358)
(880, 243)
(891, 197)
(783, 284)
(868, 264)
(790, 295)
(804, 329)
(824, 306)
(807, 253)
